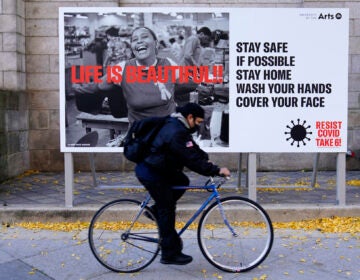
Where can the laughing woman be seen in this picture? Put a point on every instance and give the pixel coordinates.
(144, 98)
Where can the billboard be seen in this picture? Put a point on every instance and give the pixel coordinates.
(269, 80)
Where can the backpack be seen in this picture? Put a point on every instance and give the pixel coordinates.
(138, 140)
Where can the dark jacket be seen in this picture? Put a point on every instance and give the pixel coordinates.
(173, 148)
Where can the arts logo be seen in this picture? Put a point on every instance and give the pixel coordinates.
(330, 16)
(298, 133)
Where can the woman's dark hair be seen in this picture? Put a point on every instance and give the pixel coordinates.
(191, 108)
(147, 28)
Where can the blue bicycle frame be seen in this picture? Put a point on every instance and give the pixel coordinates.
(214, 195)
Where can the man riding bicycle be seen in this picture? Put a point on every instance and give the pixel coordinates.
(173, 149)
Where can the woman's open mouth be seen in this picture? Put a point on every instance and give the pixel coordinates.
(141, 49)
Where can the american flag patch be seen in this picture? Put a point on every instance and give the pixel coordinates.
(189, 144)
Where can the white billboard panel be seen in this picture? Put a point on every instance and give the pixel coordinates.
(270, 80)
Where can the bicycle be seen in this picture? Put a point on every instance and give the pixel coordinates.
(235, 234)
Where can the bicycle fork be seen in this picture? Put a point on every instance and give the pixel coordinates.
(226, 222)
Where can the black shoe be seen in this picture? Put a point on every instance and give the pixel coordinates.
(179, 259)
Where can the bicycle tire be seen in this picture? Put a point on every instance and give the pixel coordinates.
(120, 243)
(251, 223)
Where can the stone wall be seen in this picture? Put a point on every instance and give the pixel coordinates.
(34, 23)
(14, 113)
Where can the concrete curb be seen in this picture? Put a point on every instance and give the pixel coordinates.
(278, 213)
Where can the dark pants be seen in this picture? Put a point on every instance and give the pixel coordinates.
(159, 185)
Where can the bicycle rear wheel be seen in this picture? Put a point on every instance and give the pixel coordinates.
(242, 244)
(122, 238)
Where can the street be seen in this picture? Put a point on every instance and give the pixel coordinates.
(296, 254)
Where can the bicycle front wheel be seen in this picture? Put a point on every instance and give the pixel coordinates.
(122, 237)
(235, 235)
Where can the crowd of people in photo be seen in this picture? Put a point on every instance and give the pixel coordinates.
(182, 46)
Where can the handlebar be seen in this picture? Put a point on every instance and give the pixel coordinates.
(222, 180)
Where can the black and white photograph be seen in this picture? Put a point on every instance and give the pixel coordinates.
(103, 93)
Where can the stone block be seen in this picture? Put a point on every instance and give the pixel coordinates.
(24, 141)
(354, 82)
(356, 139)
(42, 27)
(14, 80)
(354, 9)
(355, 27)
(355, 63)
(3, 168)
(42, 45)
(8, 23)
(8, 61)
(39, 159)
(18, 163)
(354, 45)
(321, 4)
(23, 100)
(44, 100)
(354, 100)
(9, 7)
(16, 100)
(1, 42)
(20, 44)
(284, 161)
(43, 81)
(22, 63)
(54, 64)
(99, 4)
(2, 122)
(13, 143)
(17, 142)
(56, 161)
(20, 25)
(44, 139)
(54, 119)
(350, 137)
(47, 160)
(3, 98)
(12, 99)
(2, 79)
(354, 118)
(231, 160)
(38, 63)
(161, 2)
(102, 162)
(3, 143)
(39, 119)
(10, 42)
(48, 10)
(20, 8)
(17, 120)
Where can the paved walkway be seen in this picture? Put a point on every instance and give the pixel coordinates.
(295, 255)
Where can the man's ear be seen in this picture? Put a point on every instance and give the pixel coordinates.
(188, 118)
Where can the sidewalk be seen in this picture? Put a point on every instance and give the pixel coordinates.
(285, 195)
(295, 255)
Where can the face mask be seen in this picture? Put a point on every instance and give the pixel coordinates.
(194, 129)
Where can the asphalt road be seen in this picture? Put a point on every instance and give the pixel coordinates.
(43, 255)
